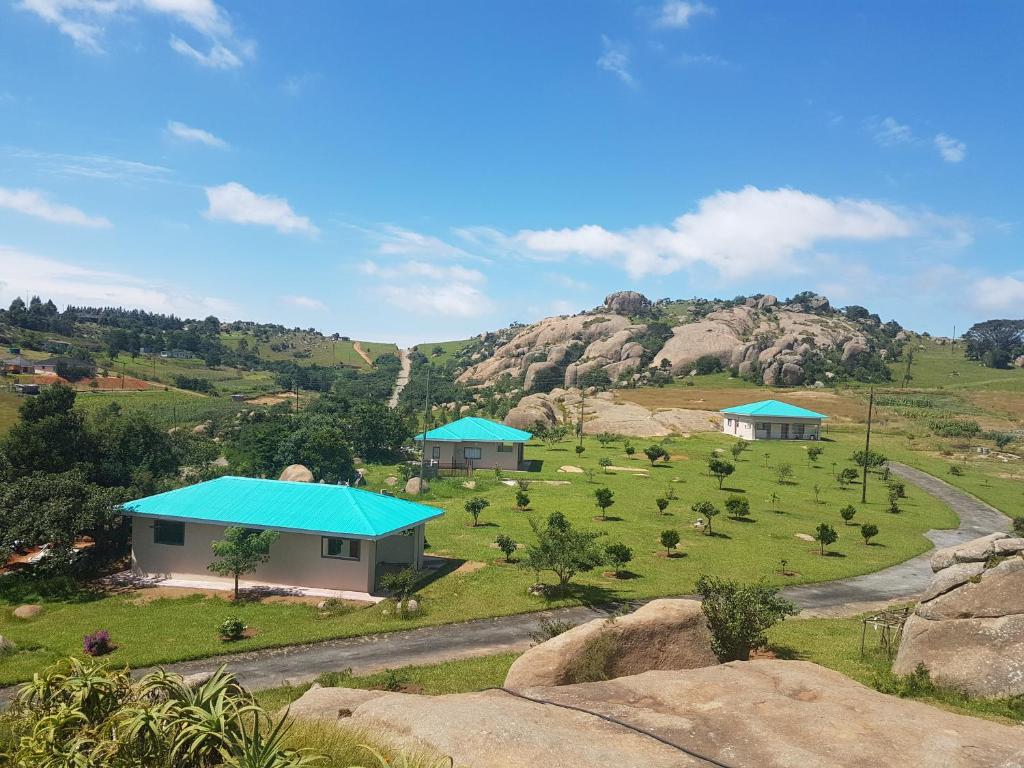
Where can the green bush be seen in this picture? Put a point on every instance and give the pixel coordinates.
(231, 629)
(739, 614)
(954, 427)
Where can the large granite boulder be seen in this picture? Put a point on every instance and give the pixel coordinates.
(296, 473)
(968, 628)
(755, 714)
(532, 409)
(626, 303)
(663, 634)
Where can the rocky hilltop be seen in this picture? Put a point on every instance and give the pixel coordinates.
(631, 339)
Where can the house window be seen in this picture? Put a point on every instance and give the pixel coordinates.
(729, 422)
(798, 431)
(504, 447)
(435, 452)
(471, 453)
(165, 532)
(340, 549)
(785, 431)
(764, 426)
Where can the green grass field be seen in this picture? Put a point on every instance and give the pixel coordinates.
(174, 629)
(226, 380)
(166, 408)
(939, 366)
(448, 350)
(308, 349)
(9, 404)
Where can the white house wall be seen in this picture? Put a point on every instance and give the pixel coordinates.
(746, 427)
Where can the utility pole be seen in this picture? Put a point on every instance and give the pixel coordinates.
(867, 449)
(952, 343)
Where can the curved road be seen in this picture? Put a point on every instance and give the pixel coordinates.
(301, 664)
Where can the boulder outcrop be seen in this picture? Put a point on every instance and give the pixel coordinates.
(296, 473)
(968, 628)
(626, 303)
(663, 634)
(755, 714)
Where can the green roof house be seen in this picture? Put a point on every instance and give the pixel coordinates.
(771, 420)
(335, 541)
(474, 443)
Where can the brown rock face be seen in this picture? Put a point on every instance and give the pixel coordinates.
(530, 410)
(756, 714)
(297, 474)
(626, 303)
(968, 629)
(664, 634)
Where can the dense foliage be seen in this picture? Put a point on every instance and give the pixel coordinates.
(995, 343)
(739, 614)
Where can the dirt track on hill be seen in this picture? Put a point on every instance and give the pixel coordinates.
(359, 351)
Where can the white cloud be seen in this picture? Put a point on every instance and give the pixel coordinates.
(677, 14)
(735, 233)
(90, 166)
(237, 203)
(68, 283)
(998, 294)
(951, 150)
(34, 203)
(442, 289)
(187, 133)
(889, 132)
(615, 59)
(305, 302)
(86, 22)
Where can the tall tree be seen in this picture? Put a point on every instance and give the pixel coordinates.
(995, 342)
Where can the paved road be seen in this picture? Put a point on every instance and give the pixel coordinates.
(300, 664)
(403, 377)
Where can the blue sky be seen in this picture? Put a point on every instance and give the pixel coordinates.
(425, 171)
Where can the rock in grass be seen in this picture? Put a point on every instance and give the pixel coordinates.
(27, 611)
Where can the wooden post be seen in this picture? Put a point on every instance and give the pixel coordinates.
(867, 449)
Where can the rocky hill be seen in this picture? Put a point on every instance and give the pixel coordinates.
(631, 340)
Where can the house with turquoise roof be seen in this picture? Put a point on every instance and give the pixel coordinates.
(333, 540)
(772, 420)
(474, 443)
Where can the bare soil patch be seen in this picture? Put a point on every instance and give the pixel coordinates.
(845, 406)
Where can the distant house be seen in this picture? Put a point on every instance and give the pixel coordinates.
(177, 354)
(332, 537)
(771, 420)
(19, 364)
(474, 443)
(26, 389)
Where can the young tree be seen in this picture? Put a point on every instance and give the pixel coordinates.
(618, 556)
(737, 506)
(720, 469)
(817, 493)
(507, 545)
(894, 501)
(662, 504)
(774, 499)
(847, 513)
(604, 498)
(655, 452)
(899, 488)
(475, 506)
(629, 449)
(707, 510)
(868, 530)
(846, 476)
(825, 535)
(562, 549)
(240, 552)
(605, 438)
(814, 453)
(669, 540)
(522, 499)
(737, 449)
(872, 459)
(739, 615)
(783, 473)
(579, 450)
(605, 462)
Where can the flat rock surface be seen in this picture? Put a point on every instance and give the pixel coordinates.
(761, 714)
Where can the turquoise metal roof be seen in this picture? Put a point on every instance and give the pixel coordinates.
(473, 429)
(286, 506)
(773, 408)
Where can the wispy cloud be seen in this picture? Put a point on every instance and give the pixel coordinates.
(998, 294)
(89, 166)
(950, 150)
(677, 14)
(239, 204)
(706, 60)
(615, 59)
(71, 283)
(195, 135)
(424, 288)
(305, 302)
(34, 203)
(86, 22)
(889, 132)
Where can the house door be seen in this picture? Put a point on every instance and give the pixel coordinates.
(785, 431)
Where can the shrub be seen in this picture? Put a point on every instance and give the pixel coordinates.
(783, 473)
(507, 545)
(956, 470)
(604, 497)
(954, 427)
(618, 555)
(97, 643)
(1018, 525)
(720, 469)
(847, 513)
(868, 530)
(663, 505)
(737, 506)
(814, 453)
(737, 449)
(594, 661)
(630, 450)
(400, 584)
(475, 506)
(669, 540)
(522, 499)
(605, 462)
(846, 476)
(825, 534)
(655, 452)
(706, 364)
(899, 488)
(231, 629)
(739, 614)
(549, 628)
(562, 549)
(579, 450)
(705, 509)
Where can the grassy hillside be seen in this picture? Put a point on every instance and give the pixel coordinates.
(441, 352)
(941, 366)
(307, 348)
(166, 408)
(225, 379)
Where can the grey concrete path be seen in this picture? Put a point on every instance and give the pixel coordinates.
(301, 664)
(403, 377)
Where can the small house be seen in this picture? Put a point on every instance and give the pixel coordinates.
(474, 443)
(332, 537)
(177, 354)
(771, 420)
(19, 364)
